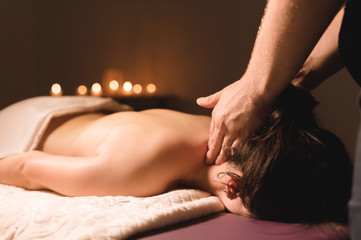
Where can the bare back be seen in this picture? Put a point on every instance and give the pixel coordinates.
(138, 153)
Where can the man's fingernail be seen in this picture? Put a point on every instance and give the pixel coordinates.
(219, 161)
(208, 161)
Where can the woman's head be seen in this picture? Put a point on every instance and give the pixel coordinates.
(292, 170)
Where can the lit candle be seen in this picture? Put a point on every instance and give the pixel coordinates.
(82, 90)
(56, 90)
(96, 90)
(113, 85)
(151, 88)
(137, 88)
(127, 87)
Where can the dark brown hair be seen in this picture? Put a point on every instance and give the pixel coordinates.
(293, 170)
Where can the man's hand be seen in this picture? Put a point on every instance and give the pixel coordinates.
(237, 112)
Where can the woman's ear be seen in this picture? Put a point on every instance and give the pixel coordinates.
(232, 189)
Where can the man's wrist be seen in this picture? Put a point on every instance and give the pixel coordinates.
(264, 91)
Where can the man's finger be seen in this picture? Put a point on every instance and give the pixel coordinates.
(211, 132)
(220, 158)
(214, 145)
(236, 143)
(209, 101)
(226, 146)
(210, 135)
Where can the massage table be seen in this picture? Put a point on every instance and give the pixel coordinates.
(231, 227)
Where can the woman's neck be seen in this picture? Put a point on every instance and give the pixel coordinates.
(207, 178)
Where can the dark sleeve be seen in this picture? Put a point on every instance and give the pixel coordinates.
(350, 39)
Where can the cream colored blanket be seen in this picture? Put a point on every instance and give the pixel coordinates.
(35, 215)
(43, 215)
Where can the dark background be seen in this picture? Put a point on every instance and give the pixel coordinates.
(187, 48)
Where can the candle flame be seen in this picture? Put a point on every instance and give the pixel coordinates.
(96, 89)
(82, 90)
(137, 88)
(151, 88)
(127, 86)
(56, 90)
(114, 85)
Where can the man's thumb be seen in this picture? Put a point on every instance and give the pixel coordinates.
(209, 101)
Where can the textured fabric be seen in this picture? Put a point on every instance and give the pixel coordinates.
(42, 215)
(23, 124)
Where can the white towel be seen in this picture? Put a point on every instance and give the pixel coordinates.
(41, 215)
(23, 124)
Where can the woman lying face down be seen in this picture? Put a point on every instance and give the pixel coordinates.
(290, 170)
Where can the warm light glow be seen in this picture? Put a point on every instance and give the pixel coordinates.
(137, 88)
(82, 90)
(127, 86)
(151, 88)
(114, 85)
(56, 90)
(96, 89)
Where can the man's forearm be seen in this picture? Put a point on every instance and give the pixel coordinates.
(289, 31)
(324, 59)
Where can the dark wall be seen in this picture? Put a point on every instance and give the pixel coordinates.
(187, 48)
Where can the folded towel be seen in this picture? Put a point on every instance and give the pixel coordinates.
(23, 124)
